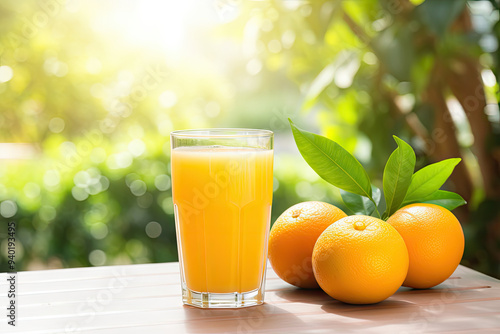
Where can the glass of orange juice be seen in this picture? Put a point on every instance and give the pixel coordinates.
(222, 186)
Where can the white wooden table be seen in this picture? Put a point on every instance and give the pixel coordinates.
(146, 299)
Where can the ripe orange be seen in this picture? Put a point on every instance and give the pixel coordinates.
(360, 260)
(292, 238)
(435, 243)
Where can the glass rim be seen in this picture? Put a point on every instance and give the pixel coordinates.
(222, 133)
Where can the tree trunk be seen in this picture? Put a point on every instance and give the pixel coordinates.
(444, 136)
(464, 79)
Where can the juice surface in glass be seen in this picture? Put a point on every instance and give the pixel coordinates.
(222, 201)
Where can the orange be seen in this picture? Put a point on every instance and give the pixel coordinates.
(360, 260)
(435, 243)
(292, 239)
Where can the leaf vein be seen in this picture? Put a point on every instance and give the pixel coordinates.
(317, 147)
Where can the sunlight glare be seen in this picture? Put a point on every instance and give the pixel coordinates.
(153, 24)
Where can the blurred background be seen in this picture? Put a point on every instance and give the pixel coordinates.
(90, 90)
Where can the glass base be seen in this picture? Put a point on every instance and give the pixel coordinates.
(222, 300)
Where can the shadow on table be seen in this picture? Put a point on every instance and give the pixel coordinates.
(245, 320)
(380, 311)
(309, 296)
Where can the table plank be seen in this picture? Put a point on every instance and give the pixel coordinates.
(129, 299)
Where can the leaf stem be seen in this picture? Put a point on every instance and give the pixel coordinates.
(376, 208)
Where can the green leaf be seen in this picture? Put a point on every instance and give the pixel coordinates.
(438, 15)
(446, 199)
(332, 162)
(361, 205)
(429, 179)
(397, 175)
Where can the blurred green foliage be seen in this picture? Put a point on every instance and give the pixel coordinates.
(97, 108)
(97, 86)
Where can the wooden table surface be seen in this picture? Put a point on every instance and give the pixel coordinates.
(146, 299)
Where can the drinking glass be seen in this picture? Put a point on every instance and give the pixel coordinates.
(222, 186)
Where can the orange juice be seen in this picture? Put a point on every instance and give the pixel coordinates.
(222, 201)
